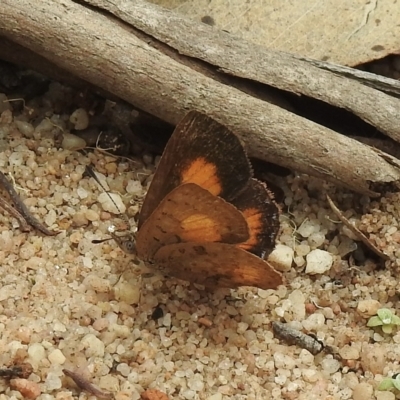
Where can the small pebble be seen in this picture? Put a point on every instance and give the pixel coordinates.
(80, 219)
(282, 257)
(134, 187)
(108, 204)
(373, 359)
(94, 346)
(72, 142)
(127, 292)
(349, 352)
(307, 228)
(82, 193)
(53, 382)
(368, 308)
(205, 321)
(310, 375)
(98, 284)
(153, 394)
(92, 215)
(316, 239)
(36, 353)
(80, 119)
(385, 396)
(75, 237)
(314, 322)
(109, 383)
(57, 357)
(100, 324)
(330, 365)
(28, 389)
(318, 262)
(25, 128)
(363, 391)
(216, 396)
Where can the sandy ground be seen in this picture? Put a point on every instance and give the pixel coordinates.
(66, 303)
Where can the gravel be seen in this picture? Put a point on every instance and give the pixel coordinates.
(66, 303)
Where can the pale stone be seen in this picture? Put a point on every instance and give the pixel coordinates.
(127, 292)
(80, 119)
(348, 352)
(72, 142)
(94, 346)
(318, 262)
(385, 396)
(36, 353)
(363, 391)
(368, 308)
(314, 322)
(282, 257)
(108, 205)
(57, 357)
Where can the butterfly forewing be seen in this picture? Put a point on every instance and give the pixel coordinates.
(216, 265)
(200, 151)
(190, 214)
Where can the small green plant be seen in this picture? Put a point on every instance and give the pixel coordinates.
(390, 383)
(386, 319)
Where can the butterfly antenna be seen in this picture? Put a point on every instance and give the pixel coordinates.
(90, 172)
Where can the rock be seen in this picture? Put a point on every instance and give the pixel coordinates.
(80, 119)
(363, 391)
(373, 359)
(368, 308)
(94, 346)
(56, 357)
(282, 257)
(318, 262)
(72, 142)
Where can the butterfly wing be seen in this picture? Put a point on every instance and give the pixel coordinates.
(200, 151)
(190, 214)
(216, 265)
(261, 212)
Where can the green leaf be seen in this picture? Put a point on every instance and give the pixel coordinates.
(395, 320)
(387, 328)
(385, 315)
(374, 321)
(386, 384)
(396, 382)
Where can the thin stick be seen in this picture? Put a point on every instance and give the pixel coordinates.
(22, 209)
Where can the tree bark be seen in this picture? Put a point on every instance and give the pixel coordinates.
(165, 65)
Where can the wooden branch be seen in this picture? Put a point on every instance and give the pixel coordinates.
(281, 70)
(127, 61)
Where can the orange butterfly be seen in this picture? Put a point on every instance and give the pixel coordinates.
(204, 217)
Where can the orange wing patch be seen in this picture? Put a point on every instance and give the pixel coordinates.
(204, 174)
(196, 223)
(190, 213)
(253, 217)
(262, 216)
(200, 151)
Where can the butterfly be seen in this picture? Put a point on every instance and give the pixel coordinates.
(205, 219)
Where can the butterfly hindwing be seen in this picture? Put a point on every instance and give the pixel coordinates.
(190, 213)
(261, 212)
(216, 265)
(200, 151)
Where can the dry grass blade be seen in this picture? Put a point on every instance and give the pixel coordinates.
(356, 231)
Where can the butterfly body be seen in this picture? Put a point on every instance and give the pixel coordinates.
(204, 215)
